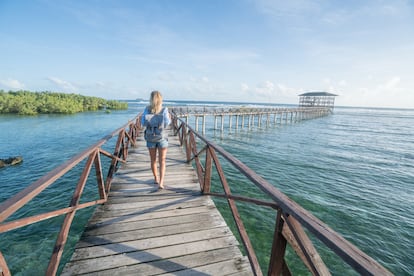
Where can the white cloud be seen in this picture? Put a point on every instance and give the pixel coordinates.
(342, 83)
(391, 83)
(12, 84)
(375, 91)
(166, 76)
(265, 89)
(244, 87)
(63, 84)
(269, 91)
(100, 84)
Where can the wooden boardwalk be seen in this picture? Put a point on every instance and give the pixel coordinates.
(145, 231)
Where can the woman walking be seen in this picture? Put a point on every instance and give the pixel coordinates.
(155, 119)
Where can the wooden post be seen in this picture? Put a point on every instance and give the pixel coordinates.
(250, 121)
(64, 231)
(259, 118)
(303, 246)
(268, 119)
(207, 174)
(204, 124)
(4, 269)
(277, 256)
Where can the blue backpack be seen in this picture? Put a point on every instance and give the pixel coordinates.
(154, 127)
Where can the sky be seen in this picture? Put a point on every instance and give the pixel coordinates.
(260, 51)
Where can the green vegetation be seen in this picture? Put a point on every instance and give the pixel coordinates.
(32, 103)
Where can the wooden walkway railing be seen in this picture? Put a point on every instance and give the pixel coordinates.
(291, 219)
(126, 137)
(290, 222)
(248, 117)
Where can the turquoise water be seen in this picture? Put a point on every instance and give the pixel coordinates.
(353, 170)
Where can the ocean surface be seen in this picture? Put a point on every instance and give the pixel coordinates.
(353, 169)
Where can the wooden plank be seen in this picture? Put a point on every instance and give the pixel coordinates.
(145, 231)
(217, 268)
(143, 224)
(188, 263)
(108, 245)
(147, 255)
(188, 231)
(161, 203)
(137, 216)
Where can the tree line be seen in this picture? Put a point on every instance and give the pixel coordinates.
(31, 103)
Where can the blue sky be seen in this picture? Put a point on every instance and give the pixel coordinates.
(221, 50)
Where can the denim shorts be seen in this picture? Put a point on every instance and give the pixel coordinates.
(161, 144)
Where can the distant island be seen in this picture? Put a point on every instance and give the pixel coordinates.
(32, 103)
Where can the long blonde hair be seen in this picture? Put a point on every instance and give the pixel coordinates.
(155, 102)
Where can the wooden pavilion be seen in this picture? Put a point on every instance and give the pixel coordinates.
(317, 99)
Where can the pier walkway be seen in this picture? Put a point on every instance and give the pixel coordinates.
(244, 117)
(141, 230)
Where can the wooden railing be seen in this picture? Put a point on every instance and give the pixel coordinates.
(126, 136)
(291, 218)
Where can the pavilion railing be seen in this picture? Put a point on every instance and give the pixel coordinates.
(291, 218)
(126, 136)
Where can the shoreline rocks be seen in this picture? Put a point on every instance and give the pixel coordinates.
(11, 161)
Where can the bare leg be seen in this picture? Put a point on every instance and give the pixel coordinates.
(153, 157)
(162, 154)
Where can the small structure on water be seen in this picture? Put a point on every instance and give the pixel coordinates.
(317, 99)
(11, 161)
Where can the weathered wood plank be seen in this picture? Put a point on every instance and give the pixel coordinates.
(95, 230)
(112, 245)
(141, 256)
(126, 236)
(217, 268)
(161, 203)
(136, 216)
(188, 263)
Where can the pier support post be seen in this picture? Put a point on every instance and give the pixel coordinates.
(267, 119)
(204, 124)
(259, 118)
(250, 121)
